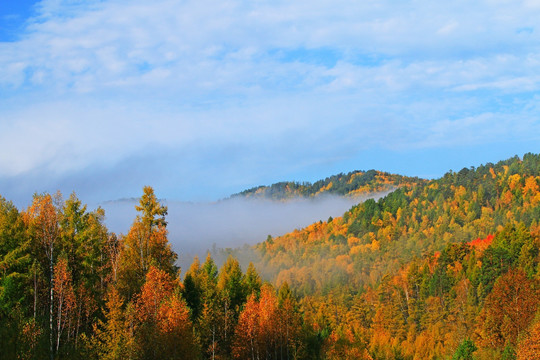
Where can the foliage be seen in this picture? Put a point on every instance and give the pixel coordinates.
(465, 350)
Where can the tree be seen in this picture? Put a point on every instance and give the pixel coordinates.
(15, 283)
(465, 350)
(231, 283)
(152, 212)
(246, 342)
(192, 290)
(508, 309)
(289, 322)
(529, 346)
(145, 245)
(83, 245)
(42, 219)
(256, 334)
(15, 257)
(112, 338)
(252, 281)
(209, 326)
(268, 322)
(165, 330)
(209, 277)
(65, 298)
(231, 293)
(113, 247)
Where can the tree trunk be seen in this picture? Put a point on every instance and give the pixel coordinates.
(213, 342)
(59, 322)
(78, 324)
(51, 310)
(35, 291)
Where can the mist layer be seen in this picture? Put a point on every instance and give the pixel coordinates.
(196, 227)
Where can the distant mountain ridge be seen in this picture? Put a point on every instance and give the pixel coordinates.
(352, 184)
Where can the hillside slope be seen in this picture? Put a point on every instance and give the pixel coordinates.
(376, 236)
(355, 183)
(444, 267)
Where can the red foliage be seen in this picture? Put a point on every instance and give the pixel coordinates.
(482, 244)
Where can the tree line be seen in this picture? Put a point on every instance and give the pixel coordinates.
(70, 289)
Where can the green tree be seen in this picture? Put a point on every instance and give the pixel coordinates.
(84, 240)
(231, 293)
(252, 281)
(465, 350)
(231, 283)
(192, 291)
(15, 280)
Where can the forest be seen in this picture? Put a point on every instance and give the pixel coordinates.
(352, 184)
(438, 269)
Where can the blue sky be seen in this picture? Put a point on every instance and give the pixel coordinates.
(202, 99)
(13, 15)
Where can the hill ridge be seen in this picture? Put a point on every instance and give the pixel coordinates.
(354, 183)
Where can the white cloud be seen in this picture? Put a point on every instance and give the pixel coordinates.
(448, 28)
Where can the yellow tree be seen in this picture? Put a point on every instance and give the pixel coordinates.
(165, 330)
(42, 219)
(508, 309)
(257, 331)
(247, 331)
(529, 347)
(152, 212)
(112, 339)
(268, 322)
(145, 245)
(65, 298)
(289, 322)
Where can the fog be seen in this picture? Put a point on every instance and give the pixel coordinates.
(194, 228)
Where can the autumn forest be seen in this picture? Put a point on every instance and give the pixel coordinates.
(435, 269)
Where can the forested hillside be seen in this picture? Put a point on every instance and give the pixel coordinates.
(354, 183)
(441, 269)
(409, 276)
(376, 237)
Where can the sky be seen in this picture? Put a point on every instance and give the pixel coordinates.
(201, 99)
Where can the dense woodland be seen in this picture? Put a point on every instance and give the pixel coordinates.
(441, 269)
(352, 184)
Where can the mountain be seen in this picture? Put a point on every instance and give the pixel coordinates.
(355, 183)
(412, 220)
(427, 271)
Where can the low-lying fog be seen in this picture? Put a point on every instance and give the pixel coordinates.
(196, 227)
